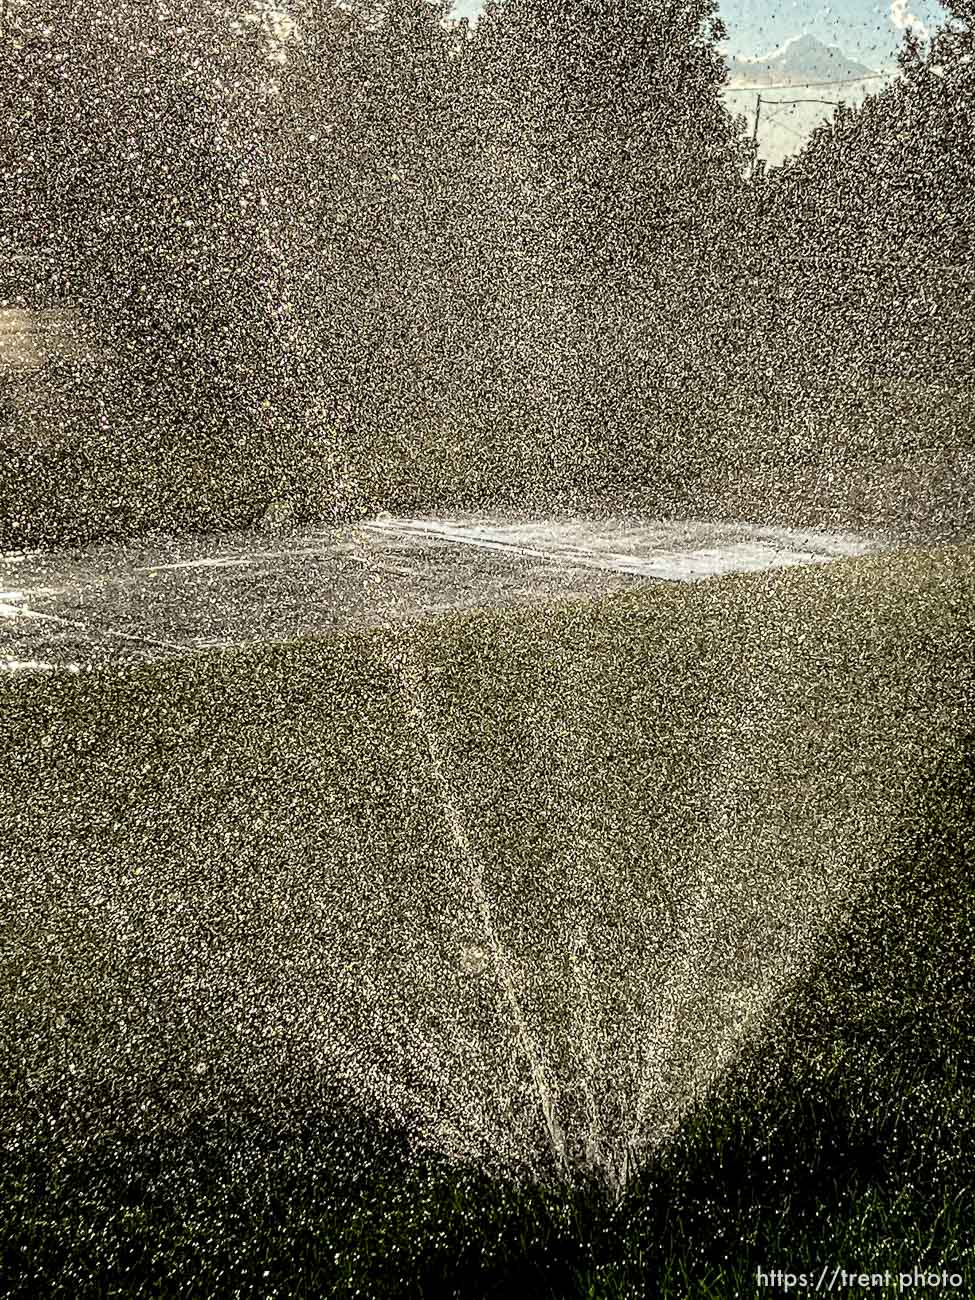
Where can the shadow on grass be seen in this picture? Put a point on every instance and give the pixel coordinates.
(231, 1200)
(847, 1140)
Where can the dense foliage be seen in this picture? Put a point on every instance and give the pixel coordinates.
(867, 232)
(365, 243)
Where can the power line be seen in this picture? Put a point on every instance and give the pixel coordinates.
(807, 85)
(830, 103)
(782, 126)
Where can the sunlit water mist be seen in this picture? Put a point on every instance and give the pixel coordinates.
(536, 945)
(565, 1011)
(571, 1035)
(523, 881)
(554, 1011)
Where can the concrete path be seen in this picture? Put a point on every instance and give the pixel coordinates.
(31, 337)
(64, 611)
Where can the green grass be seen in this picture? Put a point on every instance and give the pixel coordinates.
(844, 1135)
(848, 1138)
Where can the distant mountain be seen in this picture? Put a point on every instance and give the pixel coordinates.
(802, 59)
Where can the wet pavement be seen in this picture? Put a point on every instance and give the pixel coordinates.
(132, 602)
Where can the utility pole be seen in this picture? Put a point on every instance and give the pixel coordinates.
(758, 112)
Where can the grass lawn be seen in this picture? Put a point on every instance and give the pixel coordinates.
(841, 1135)
(847, 1139)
